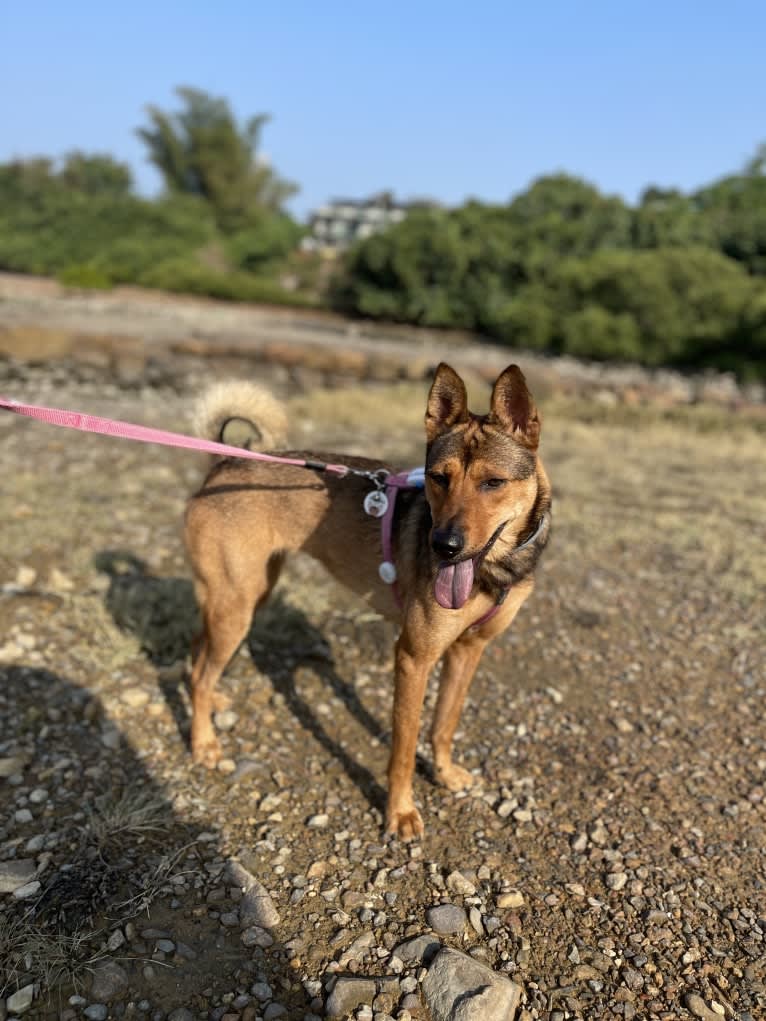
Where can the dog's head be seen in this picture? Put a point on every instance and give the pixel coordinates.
(481, 476)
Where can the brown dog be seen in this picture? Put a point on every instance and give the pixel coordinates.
(465, 549)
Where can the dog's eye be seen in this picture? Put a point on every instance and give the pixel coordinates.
(493, 483)
(439, 479)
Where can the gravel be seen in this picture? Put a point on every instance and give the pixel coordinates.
(610, 862)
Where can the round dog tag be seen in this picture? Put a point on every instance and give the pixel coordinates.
(376, 503)
(387, 572)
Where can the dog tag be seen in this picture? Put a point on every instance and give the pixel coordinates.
(387, 572)
(376, 503)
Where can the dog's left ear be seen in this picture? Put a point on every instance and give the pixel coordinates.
(447, 402)
(512, 407)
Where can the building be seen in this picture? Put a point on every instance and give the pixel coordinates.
(341, 222)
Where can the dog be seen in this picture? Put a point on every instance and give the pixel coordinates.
(465, 550)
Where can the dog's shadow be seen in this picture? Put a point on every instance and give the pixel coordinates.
(161, 613)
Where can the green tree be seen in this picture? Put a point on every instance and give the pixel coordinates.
(95, 174)
(201, 150)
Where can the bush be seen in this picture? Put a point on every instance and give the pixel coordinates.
(86, 275)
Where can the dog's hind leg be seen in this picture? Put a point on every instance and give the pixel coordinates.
(458, 668)
(227, 604)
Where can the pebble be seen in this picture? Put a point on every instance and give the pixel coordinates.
(226, 719)
(27, 890)
(446, 919)
(96, 1012)
(134, 698)
(318, 822)
(510, 899)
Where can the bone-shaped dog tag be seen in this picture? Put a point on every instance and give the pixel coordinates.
(376, 503)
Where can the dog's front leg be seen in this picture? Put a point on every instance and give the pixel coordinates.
(412, 669)
(460, 662)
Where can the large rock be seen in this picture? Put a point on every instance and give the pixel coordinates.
(458, 988)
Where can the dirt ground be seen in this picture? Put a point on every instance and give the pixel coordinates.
(613, 851)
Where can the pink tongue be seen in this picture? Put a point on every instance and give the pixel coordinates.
(453, 584)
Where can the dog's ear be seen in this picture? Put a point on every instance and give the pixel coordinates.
(447, 402)
(513, 409)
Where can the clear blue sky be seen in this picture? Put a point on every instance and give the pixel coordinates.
(439, 99)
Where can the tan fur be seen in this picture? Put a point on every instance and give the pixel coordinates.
(245, 401)
(249, 515)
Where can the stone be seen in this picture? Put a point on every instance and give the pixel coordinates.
(459, 988)
(15, 873)
(255, 936)
(181, 1014)
(446, 919)
(256, 906)
(20, 1001)
(274, 1010)
(96, 1012)
(457, 883)
(418, 950)
(348, 993)
(697, 1006)
(110, 981)
(510, 899)
(26, 891)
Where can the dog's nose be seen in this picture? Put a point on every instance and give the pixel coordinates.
(447, 542)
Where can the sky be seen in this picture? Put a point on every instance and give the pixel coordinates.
(443, 100)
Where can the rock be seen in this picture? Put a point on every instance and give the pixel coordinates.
(255, 936)
(96, 1012)
(134, 698)
(181, 1014)
(274, 1010)
(510, 899)
(110, 981)
(616, 880)
(349, 993)
(11, 765)
(20, 1001)
(446, 918)
(226, 719)
(256, 906)
(457, 883)
(16, 873)
(318, 822)
(418, 950)
(26, 891)
(699, 1008)
(458, 988)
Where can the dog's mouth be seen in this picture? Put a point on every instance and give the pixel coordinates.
(454, 583)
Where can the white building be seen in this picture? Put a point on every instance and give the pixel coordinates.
(341, 222)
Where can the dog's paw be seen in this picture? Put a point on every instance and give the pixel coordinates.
(405, 825)
(207, 753)
(454, 778)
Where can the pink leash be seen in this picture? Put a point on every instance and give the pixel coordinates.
(83, 422)
(145, 434)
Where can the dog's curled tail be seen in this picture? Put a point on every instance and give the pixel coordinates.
(241, 414)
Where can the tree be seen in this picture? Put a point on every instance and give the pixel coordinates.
(202, 150)
(95, 174)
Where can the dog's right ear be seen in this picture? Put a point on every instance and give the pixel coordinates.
(447, 402)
